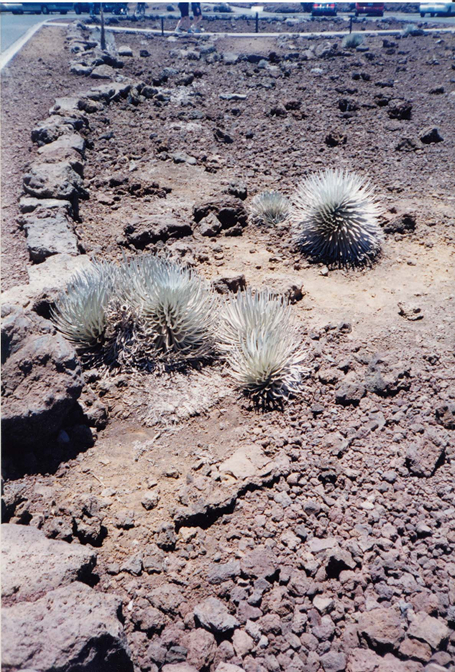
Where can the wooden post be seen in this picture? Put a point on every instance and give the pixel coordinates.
(257, 22)
(162, 25)
(103, 34)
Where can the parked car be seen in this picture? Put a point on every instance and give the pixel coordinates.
(369, 8)
(324, 9)
(42, 7)
(94, 7)
(437, 9)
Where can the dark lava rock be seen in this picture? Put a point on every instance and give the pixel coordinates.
(166, 597)
(210, 226)
(399, 109)
(406, 145)
(74, 627)
(278, 111)
(142, 232)
(381, 629)
(338, 560)
(213, 615)
(437, 90)
(445, 415)
(221, 136)
(49, 232)
(381, 100)
(238, 189)
(32, 564)
(384, 380)
(41, 379)
(349, 394)
(404, 223)
(388, 83)
(165, 537)
(335, 139)
(229, 212)
(219, 573)
(54, 180)
(424, 457)
(259, 563)
(227, 285)
(346, 105)
(431, 135)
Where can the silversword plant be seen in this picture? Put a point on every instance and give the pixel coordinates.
(335, 218)
(270, 208)
(261, 345)
(175, 306)
(81, 312)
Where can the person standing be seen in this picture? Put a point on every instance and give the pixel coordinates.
(184, 24)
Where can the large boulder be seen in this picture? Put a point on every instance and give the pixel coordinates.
(73, 628)
(46, 280)
(229, 212)
(54, 180)
(55, 126)
(141, 232)
(41, 378)
(32, 564)
(49, 232)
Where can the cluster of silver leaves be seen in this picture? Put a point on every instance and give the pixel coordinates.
(335, 218)
(261, 345)
(144, 310)
(270, 208)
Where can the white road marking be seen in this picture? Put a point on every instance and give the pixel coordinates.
(18, 44)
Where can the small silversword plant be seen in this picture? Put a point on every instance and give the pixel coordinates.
(261, 346)
(270, 208)
(352, 41)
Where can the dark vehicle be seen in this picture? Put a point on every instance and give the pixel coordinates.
(324, 9)
(94, 7)
(369, 8)
(42, 7)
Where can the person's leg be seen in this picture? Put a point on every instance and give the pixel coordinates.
(184, 22)
(197, 16)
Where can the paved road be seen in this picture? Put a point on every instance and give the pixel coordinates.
(13, 26)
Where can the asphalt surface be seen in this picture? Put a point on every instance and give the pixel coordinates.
(14, 26)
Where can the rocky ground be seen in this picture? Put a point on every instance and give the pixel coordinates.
(186, 530)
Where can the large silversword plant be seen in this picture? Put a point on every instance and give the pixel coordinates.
(335, 218)
(175, 307)
(261, 345)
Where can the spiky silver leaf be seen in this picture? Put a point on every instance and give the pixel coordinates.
(81, 312)
(352, 41)
(261, 345)
(335, 218)
(176, 307)
(269, 208)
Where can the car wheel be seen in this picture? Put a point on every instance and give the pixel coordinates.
(64, 11)
(422, 14)
(45, 9)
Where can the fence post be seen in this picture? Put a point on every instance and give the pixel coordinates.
(257, 22)
(350, 24)
(162, 25)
